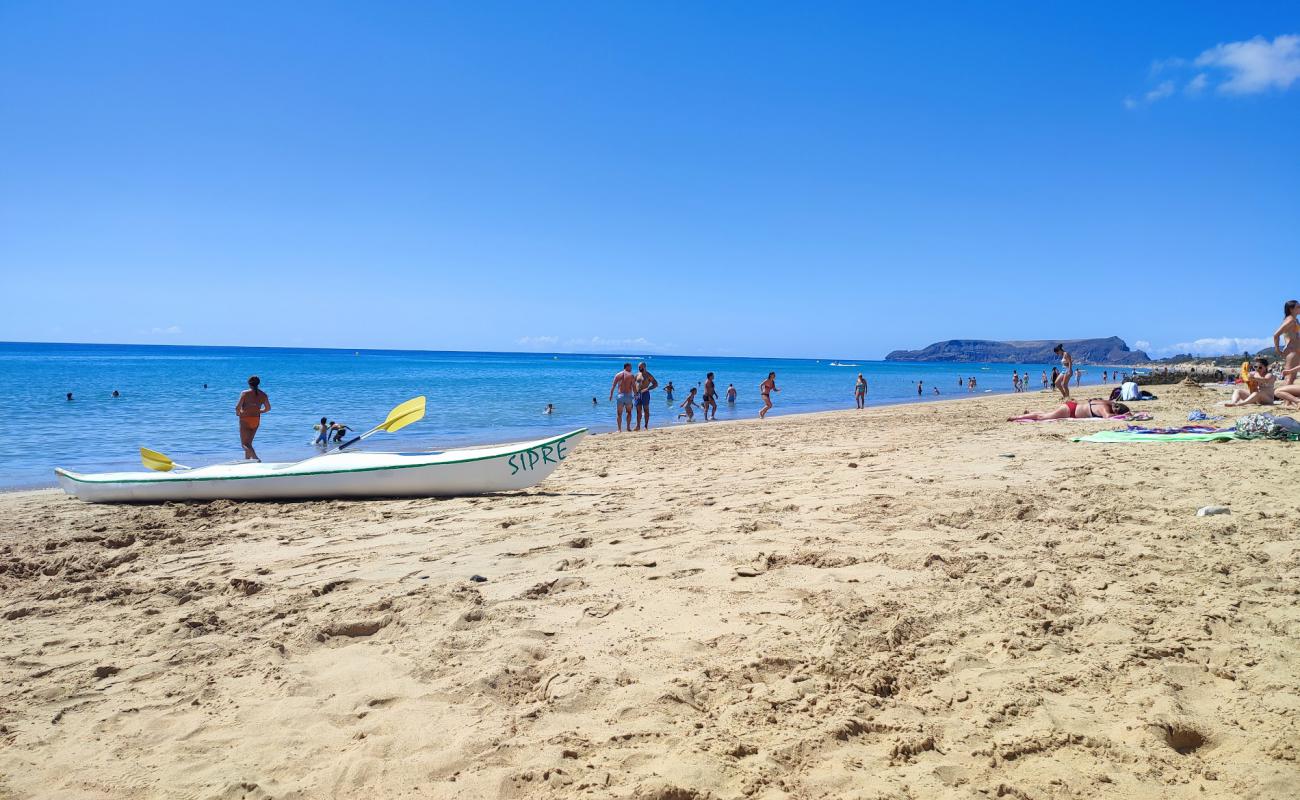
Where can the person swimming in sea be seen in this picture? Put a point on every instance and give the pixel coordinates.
(550, 409)
(252, 404)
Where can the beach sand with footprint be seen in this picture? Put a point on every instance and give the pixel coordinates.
(875, 604)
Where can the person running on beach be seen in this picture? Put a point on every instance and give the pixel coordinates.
(645, 383)
(1286, 340)
(625, 384)
(1262, 391)
(860, 391)
(731, 394)
(710, 397)
(1062, 381)
(252, 404)
(668, 390)
(766, 388)
(688, 406)
(1070, 409)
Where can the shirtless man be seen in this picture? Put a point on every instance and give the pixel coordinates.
(731, 394)
(252, 404)
(625, 384)
(710, 397)
(1261, 393)
(766, 388)
(645, 383)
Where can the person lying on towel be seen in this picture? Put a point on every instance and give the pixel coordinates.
(1076, 409)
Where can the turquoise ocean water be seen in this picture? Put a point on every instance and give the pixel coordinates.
(473, 397)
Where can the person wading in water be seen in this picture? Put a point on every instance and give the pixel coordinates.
(253, 403)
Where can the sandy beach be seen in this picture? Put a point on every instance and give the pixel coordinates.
(905, 602)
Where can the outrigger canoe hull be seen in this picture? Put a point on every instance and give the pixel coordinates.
(451, 473)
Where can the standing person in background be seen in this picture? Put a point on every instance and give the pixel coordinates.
(1062, 382)
(1288, 350)
(625, 384)
(731, 394)
(252, 404)
(1078, 377)
(668, 390)
(645, 383)
(322, 433)
(919, 390)
(766, 388)
(1015, 381)
(710, 397)
(960, 382)
(1045, 378)
(970, 387)
(860, 391)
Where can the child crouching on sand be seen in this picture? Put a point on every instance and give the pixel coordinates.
(689, 405)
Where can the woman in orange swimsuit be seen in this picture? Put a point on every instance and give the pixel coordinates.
(253, 403)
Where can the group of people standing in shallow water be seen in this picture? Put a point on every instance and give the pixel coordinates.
(631, 392)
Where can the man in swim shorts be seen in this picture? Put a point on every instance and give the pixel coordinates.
(710, 397)
(625, 384)
(645, 383)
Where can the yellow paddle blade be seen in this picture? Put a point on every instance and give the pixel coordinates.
(410, 411)
(155, 460)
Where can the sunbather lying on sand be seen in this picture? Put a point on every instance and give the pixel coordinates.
(1289, 394)
(1261, 393)
(1075, 409)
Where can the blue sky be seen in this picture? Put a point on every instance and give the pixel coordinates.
(746, 178)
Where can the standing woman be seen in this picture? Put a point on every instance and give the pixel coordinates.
(253, 403)
(766, 388)
(860, 391)
(1067, 370)
(1290, 330)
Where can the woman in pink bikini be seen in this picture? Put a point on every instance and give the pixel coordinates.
(1073, 409)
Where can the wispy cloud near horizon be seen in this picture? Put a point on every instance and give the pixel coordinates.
(593, 344)
(1208, 346)
(1253, 66)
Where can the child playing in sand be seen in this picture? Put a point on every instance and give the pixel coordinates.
(689, 405)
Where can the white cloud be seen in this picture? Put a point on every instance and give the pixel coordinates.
(1210, 346)
(1235, 68)
(1257, 65)
(1142, 344)
(593, 344)
(170, 330)
(538, 341)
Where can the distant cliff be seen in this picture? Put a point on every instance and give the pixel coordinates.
(1112, 350)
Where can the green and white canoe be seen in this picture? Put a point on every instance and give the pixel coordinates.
(449, 473)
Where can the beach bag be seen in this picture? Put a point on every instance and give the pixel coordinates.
(1267, 426)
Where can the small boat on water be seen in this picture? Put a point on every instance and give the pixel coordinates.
(339, 474)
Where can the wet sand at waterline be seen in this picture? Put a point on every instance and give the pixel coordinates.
(871, 604)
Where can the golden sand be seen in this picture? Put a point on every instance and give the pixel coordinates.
(908, 602)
